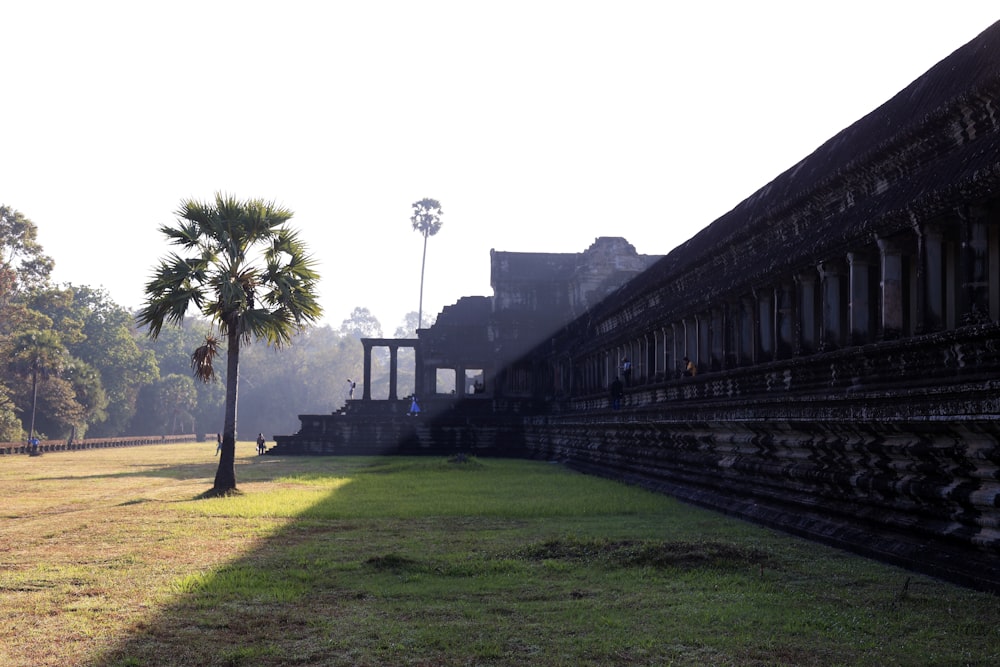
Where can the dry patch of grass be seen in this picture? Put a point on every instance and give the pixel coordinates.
(90, 546)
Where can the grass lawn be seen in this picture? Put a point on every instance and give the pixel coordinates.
(109, 557)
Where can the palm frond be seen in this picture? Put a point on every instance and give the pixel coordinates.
(185, 235)
(426, 217)
(203, 359)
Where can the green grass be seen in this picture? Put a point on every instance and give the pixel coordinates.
(110, 559)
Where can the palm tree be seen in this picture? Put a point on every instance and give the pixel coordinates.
(249, 274)
(426, 220)
(38, 355)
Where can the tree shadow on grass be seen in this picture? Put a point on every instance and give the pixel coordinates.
(307, 594)
(178, 472)
(334, 586)
(256, 468)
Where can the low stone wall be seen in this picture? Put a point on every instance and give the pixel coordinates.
(46, 446)
(846, 468)
(433, 432)
(923, 495)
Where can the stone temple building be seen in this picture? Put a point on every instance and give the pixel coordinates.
(843, 321)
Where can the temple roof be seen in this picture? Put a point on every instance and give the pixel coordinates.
(869, 177)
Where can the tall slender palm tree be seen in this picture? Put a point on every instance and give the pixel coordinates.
(426, 219)
(37, 355)
(246, 271)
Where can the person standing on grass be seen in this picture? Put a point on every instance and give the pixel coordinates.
(260, 443)
(218, 443)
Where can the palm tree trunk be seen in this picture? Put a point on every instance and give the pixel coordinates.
(423, 263)
(225, 476)
(34, 398)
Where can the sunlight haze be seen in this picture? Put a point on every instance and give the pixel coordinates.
(539, 126)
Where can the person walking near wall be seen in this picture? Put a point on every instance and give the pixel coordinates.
(616, 394)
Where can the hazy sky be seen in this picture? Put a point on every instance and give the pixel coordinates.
(539, 125)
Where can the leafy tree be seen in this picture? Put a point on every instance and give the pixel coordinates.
(361, 324)
(408, 327)
(176, 401)
(10, 425)
(340, 358)
(172, 353)
(311, 378)
(23, 265)
(108, 345)
(249, 274)
(89, 394)
(60, 412)
(172, 348)
(426, 219)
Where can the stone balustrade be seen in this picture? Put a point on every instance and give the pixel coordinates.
(47, 446)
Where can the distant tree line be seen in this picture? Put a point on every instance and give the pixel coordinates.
(75, 364)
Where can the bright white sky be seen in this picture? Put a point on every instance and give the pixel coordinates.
(539, 125)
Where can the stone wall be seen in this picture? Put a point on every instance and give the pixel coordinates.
(918, 495)
(923, 494)
(44, 446)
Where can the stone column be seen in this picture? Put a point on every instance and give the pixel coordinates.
(765, 324)
(366, 394)
(784, 318)
(748, 331)
(730, 335)
(808, 340)
(991, 217)
(658, 352)
(859, 303)
(891, 283)
(703, 349)
(668, 360)
(717, 336)
(976, 283)
(930, 273)
(676, 348)
(831, 274)
(691, 339)
(647, 367)
(393, 366)
(418, 371)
